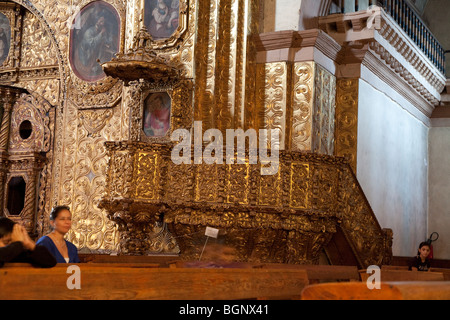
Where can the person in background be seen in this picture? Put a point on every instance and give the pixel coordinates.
(63, 250)
(421, 261)
(17, 246)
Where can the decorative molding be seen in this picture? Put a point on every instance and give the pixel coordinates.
(388, 52)
(287, 45)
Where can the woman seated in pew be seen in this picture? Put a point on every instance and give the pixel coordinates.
(421, 261)
(17, 246)
(63, 250)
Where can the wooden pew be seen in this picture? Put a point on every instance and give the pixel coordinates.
(120, 282)
(444, 271)
(323, 273)
(316, 273)
(412, 290)
(162, 260)
(405, 275)
(388, 267)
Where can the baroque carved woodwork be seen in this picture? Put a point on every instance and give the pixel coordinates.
(299, 100)
(346, 134)
(284, 218)
(88, 149)
(28, 156)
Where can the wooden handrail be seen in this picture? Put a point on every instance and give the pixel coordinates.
(410, 21)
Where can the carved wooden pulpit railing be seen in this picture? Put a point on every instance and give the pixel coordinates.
(285, 218)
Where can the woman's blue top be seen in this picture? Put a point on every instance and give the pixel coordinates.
(50, 245)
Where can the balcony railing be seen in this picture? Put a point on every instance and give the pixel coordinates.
(407, 18)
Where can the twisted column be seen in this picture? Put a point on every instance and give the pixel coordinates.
(8, 96)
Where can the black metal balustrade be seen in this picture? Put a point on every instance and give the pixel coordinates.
(407, 18)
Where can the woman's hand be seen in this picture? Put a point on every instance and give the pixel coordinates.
(27, 242)
(17, 233)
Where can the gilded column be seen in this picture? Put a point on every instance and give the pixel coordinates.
(8, 96)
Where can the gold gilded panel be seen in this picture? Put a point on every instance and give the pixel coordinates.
(180, 182)
(271, 190)
(324, 111)
(122, 171)
(271, 85)
(346, 141)
(38, 49)
(302, 105)
(299, 185)
(237, 183)
(207, 182)
(324, 187)
(145, 176)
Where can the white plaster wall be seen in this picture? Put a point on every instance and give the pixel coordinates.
(281, 15)
(392, 167)
(287, 15)
(439, 190)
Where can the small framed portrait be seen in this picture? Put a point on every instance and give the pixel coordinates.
(157, 113)
(5, 37)
(94, 39)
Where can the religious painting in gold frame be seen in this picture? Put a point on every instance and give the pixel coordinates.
(166, 21)
(156, 117)
(5, 37)
(97, 90)
(8, 31)
(163, 109)
(94, 40)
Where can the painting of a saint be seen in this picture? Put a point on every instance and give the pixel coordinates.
(5, 36)
(162, 17)
(96, 41)
(156, 114)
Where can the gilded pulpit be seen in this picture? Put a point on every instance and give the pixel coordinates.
(125, 105)
(287, 216)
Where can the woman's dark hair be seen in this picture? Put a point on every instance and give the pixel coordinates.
(6, 226)
(56, 210)
(425, 243)
(422, 244)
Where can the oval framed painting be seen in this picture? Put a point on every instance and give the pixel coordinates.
(5, 37)
(94, 39)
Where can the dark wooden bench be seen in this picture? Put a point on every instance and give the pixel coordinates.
(120, 282)
(411, 290)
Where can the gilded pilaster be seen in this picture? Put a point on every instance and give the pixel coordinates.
(324, 111)
(272, 96)
(222, 53)
(302, 105)
(347, 120)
